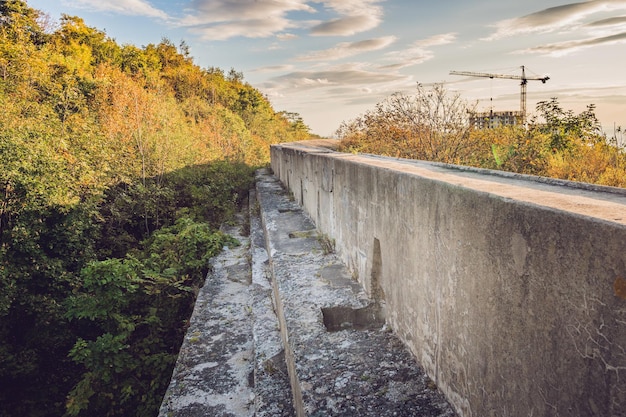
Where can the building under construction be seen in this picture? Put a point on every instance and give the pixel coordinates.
(493, 119)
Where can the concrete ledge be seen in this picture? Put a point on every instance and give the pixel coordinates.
(510, 291)
(273, 392)
(231, 363)
(214, 373)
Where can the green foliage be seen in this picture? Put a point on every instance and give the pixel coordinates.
(565, 127)
(211, 192)
(118, 165)
(129, 319)
(186, 246)
(205, 193)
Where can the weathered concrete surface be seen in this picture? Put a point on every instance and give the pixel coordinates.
(509, 290)
(272, 390)
(214, 372)
(343, 360)
(230, 361)
(359, 370)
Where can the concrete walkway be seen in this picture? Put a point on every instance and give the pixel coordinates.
(280, 329)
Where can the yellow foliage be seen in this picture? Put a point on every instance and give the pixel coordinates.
(598, 164)
(508, 148)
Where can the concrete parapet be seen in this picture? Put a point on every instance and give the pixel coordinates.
(509, 290)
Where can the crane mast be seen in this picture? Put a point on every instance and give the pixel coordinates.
(523, 83)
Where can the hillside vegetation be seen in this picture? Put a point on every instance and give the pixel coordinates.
(117, 166)
(432, 124)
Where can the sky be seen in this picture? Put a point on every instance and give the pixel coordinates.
(333, 60)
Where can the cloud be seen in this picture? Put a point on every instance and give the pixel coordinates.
(346, 26)
(353, 86)
(568, 47)
(436, 40)
(606, 27)
(214, 11)
(253, 28)
(418, 52)
(347, 49)
(352, 7)
(355, 16)
(127, 7)
(336, 78)
(612, 21)
(416, 59)
(275, 68)
(286, 36)
(224, 19)
(554, 18)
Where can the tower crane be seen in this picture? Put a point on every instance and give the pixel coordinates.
(523, 81)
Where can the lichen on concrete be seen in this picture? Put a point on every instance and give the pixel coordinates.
(232, 332)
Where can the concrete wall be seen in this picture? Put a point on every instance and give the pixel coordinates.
(510, 292)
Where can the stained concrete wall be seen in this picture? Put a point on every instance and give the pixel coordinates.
(509, 290)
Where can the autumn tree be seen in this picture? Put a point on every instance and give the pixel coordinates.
(578, 149)
(430, 124)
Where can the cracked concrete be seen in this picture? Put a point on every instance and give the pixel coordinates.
(229, 364)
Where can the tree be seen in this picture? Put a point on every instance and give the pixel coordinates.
(20, 22)
(431, 124)
(565, 127)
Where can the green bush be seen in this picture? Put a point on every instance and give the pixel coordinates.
(129, 314)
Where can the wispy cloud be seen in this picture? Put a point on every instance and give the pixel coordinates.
(216, 11)
(612, 21)
(286, 36)
(420, 51)
(224, 19)
(346, 26)
(347, 49)
(275, 68)
(253, 28)
(436, 40)
(606, 27)
(553, 19)
(127, 7)
(355, 16)
(568, 47)
(326, 78)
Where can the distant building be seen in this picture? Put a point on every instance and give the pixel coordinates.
(491, 119)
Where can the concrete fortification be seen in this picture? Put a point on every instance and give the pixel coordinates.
(509, 290)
